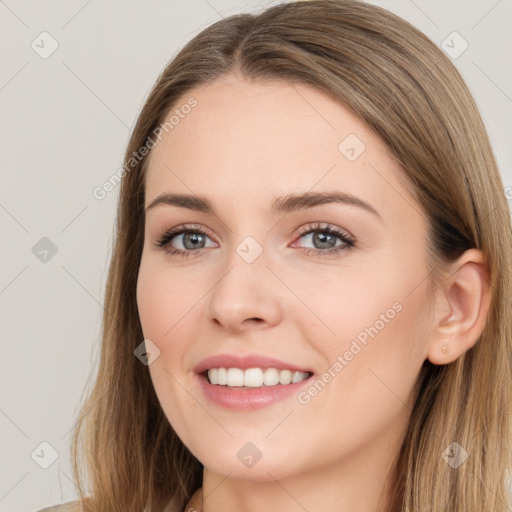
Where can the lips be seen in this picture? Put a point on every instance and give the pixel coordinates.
(246, 362)
(247, 398)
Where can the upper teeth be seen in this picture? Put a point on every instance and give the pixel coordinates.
(254, 377)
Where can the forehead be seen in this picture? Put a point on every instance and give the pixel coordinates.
(252, 140)
(260, 115)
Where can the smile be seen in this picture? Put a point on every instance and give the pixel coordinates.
(243, 382)
(254, 377)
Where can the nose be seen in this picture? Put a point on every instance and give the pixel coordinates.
(246, 297)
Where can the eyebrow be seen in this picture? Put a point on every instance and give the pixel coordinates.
(283, 204)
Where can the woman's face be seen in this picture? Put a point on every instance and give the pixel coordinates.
(267, 288)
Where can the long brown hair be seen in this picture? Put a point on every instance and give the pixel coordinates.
(412, 96)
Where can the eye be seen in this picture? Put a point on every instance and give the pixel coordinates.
(190, 238)
(324, 237)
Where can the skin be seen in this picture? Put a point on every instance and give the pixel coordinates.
(243, 145)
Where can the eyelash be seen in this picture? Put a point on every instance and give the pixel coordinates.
(164, 240)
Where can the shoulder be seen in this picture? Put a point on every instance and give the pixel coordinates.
(70, 506)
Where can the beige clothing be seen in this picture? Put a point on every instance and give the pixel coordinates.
(194, 505)
(70, 506)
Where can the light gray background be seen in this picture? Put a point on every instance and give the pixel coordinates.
(65, 121)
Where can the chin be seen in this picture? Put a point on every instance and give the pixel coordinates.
(259, 460)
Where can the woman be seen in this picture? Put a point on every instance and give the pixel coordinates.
(314, 244)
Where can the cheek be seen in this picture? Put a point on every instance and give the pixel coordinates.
(162, 306)
(366, 389)
(380, 305)
(151, 307)
(374, 347)
(160, 301)
(354, 305)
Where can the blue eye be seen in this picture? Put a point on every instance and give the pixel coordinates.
(194, 238)
(326, 236)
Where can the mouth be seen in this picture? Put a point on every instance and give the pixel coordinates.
(253, 377)
(244, 383)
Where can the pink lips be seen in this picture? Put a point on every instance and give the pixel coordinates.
(245, 362)
(246, 399)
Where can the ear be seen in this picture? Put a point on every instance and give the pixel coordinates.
(462, 308)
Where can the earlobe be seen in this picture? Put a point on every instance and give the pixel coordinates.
(467, 292)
